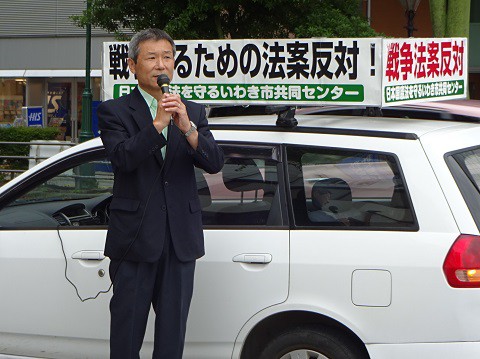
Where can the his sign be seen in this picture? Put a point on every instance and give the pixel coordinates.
(35, 116)
(366, 71)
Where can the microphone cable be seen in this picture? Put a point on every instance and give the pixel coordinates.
(129, 246)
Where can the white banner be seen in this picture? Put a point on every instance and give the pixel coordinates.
(280, 71)
(424, 70)
(364, 71)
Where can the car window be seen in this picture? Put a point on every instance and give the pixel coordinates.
(465, 167)
(244, 193)
(80, 182)
(78, 196)
(344, 188)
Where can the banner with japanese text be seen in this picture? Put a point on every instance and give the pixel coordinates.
(280, 71)
(423, 70)
(364, 71)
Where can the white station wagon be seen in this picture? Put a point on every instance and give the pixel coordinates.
(338, 238)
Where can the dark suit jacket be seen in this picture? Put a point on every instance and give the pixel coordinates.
(142, 203)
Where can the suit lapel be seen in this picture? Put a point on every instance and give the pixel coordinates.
(141, 112)
(142, 116)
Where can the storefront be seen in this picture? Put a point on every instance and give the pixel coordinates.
(59, 96)
(42, 62)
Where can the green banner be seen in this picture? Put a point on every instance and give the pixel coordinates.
(427, 90)
(218, 93)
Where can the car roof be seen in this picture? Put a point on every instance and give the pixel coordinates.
(463, 110)
(353, 124)
(456, 107)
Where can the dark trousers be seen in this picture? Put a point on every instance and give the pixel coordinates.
(167, 285)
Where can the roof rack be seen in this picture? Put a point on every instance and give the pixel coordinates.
(372, 112)
(286, 113)
(286, 116)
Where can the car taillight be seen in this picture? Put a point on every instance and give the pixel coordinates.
(462, 265)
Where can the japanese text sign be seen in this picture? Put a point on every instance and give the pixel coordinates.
(296, 71)
(282, 71)
(423, 69)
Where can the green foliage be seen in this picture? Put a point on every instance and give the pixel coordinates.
(22, 134)
(335, 18)
(438, 14)
(450, 18)
(213, 19)
(458, 18)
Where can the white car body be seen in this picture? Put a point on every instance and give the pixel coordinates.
(385, 287)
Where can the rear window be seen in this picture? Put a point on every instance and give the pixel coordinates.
(347, 189)
(465, 168)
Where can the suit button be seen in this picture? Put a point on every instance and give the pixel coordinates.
(166, 183)
(164, 208)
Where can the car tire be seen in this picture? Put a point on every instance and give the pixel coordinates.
(313, 343)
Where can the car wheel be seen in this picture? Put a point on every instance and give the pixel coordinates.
(308, 343)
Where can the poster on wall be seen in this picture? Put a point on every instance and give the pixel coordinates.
(58, 104)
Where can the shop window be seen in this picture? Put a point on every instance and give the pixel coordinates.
(12, 98)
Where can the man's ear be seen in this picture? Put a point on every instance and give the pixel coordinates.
(131, 65)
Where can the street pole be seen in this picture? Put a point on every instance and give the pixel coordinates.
(86, 132)
(86, 180)
(410, 28)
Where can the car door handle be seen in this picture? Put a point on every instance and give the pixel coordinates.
(89, 255)
(256, 258)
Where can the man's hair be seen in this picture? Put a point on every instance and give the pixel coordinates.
(145, 35)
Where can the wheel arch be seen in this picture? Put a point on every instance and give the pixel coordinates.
(275, 324)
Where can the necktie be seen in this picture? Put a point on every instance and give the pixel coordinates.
(153, 111)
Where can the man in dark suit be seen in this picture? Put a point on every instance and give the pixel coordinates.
(154, 140)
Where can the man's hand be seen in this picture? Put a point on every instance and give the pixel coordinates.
(162, 118)
(174, 106)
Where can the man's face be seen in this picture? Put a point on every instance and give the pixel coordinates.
(322, 198)
(325, 198)
(154, 58)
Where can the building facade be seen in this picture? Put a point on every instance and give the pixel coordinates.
(42, 61)
(388, 17)
(42, 54)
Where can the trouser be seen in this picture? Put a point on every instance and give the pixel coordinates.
(167, 285)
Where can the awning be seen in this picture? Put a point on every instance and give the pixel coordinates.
(12, 73)
(49, 73)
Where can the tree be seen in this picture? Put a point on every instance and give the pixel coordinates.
(334, 18)
(212, 19)
(450, 18)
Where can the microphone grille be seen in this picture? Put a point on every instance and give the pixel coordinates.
(163, 80)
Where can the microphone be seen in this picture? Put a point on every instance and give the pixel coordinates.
(163, 81)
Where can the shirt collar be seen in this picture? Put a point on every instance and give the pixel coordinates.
(149, 99)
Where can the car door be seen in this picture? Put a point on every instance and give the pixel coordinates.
(245, 268)
(377, 264)
(55, 273)
(52, 234)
